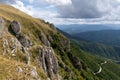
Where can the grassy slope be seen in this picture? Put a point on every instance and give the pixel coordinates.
(30, 27)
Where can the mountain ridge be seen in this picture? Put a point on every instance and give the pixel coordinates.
(41, 52)
(108, 37)
(100, 49)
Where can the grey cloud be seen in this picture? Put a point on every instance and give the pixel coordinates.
(80, 9)
(86, 9)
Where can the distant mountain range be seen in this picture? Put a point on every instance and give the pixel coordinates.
(77, 28)
(108, 37)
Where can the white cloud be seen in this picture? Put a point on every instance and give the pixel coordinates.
(31, 1)
(53, 2)
(89, 11)
(118, 0)
(71, 11)
(44, 14)
(20, 5)
(35, 12)
(59, 2)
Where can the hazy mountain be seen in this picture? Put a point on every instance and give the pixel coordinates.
(77, 28)
(109, 37)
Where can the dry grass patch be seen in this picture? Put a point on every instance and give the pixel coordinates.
(10, 69)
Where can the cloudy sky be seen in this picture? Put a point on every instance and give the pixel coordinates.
(71, 11)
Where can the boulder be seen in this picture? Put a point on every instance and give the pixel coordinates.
(15, 27)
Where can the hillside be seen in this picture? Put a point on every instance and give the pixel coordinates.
(102, 50)
(31, 49)
(107, 51)
(108, 37)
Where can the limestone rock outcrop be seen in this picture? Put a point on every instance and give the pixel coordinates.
(15, 29)
(48, 62)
